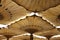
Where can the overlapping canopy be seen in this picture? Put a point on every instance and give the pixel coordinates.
(52, 15)
(42, 25)
(32, 24)
(10, 11)
(49, 33)
(8, 33)
(56, 37)
(26, 37)
(2, 37)
(36, 25)
(37, 5)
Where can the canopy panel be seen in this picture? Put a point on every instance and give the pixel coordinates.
(10, 11)
(52, 15)
(32, 24)
(37, 5)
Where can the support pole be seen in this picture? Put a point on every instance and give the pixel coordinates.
(31, 37)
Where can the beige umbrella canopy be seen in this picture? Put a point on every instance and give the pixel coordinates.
(49, 33)
(37, 5)
(2, 37)
(56, 37)
(52, 15)
(8, 33)
(20, 38)
(26, 37)
(32, 24)
(4, 15)
(11, 11)
(1, 3)
(5, 2)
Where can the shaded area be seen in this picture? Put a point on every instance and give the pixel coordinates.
(58, 17)
(1, 17)
(8, 36)
(0, 3)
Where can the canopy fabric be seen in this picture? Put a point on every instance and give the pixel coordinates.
(52, 15)
(44, 24)
(11, 12)
(2, 37)
(56, 37)
(11, 32)
(4, 15)
(32, 23)
(26, 37)
(37, 5)
(49, 33)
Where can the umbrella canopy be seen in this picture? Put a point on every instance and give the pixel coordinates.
(2, 37)
(49, 33)
(32, 24)
(1, 1)
(4, 15)
(37, 5)
(5, 2)
(11, 12)
(20, 38)
(52, 15)
(25, 37)
(11, 32)
(8, 33)
(56, 37)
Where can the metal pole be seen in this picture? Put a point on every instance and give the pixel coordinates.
(7, 38)
(31, 37)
